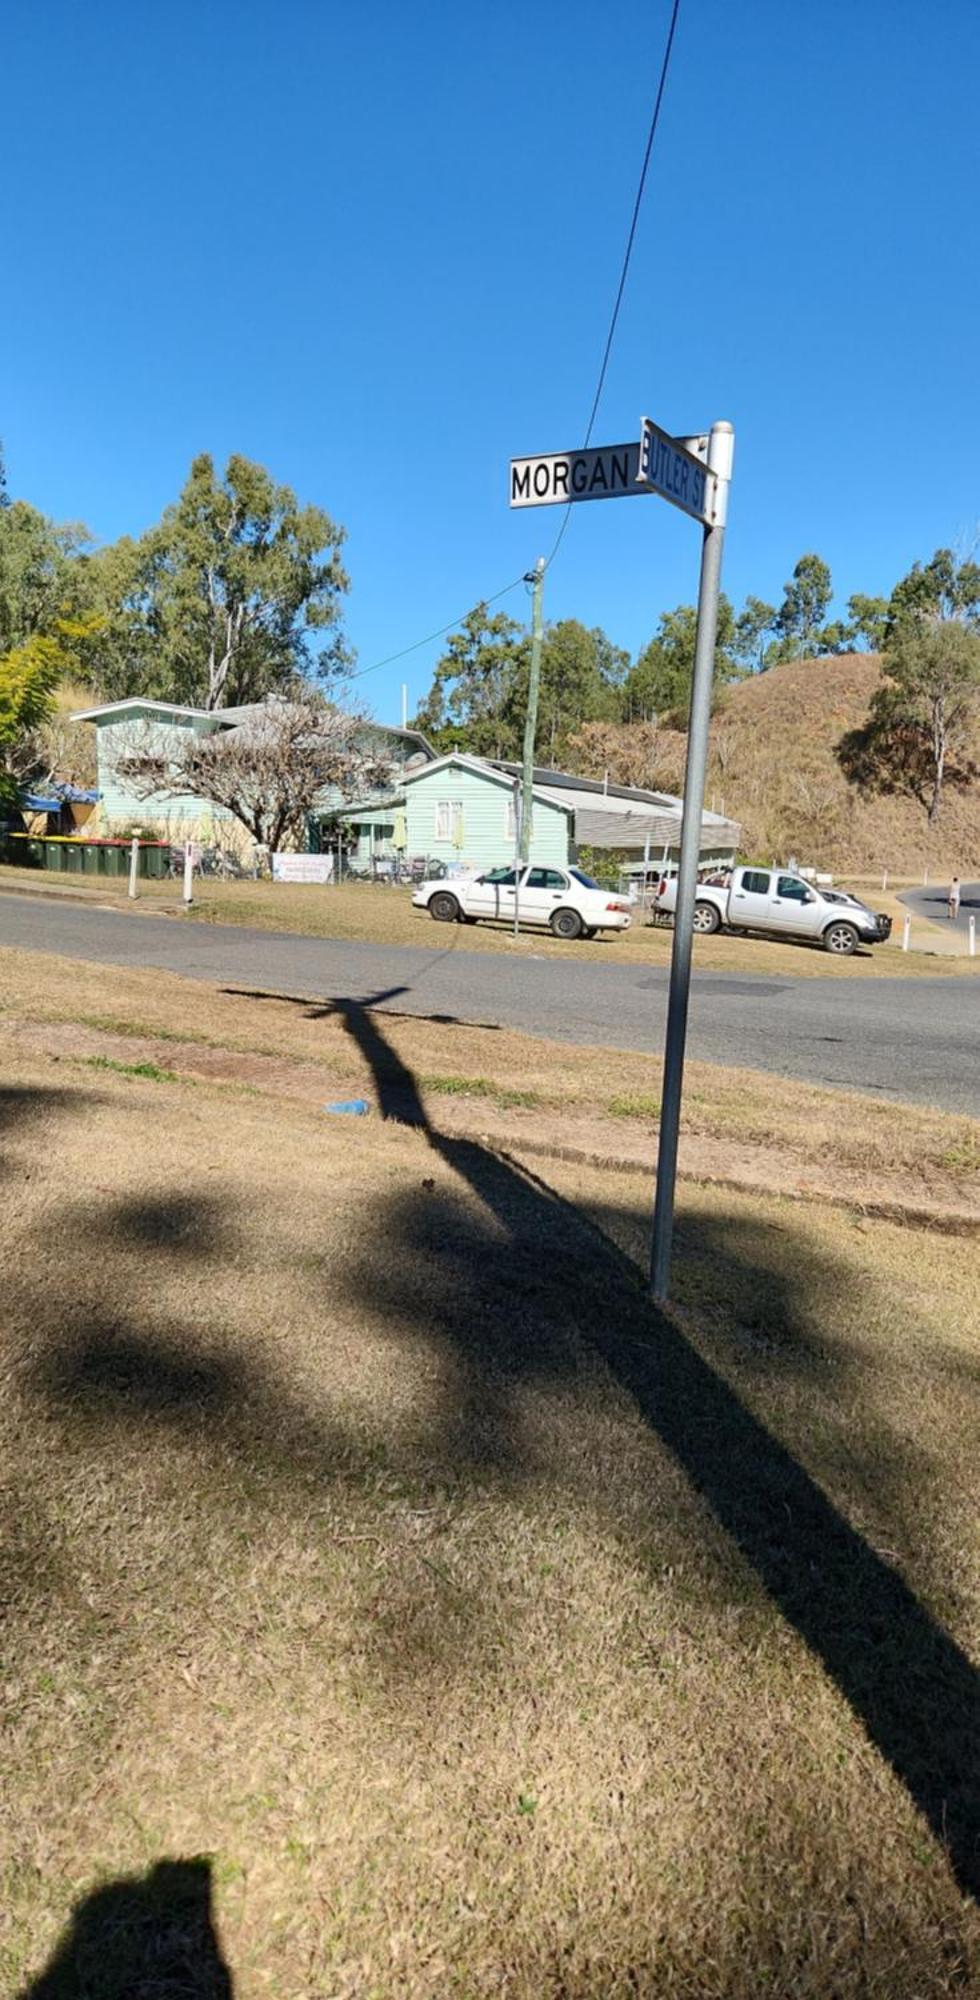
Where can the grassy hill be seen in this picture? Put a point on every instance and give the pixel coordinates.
(773, 764)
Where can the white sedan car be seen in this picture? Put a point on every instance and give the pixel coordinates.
(561, 900)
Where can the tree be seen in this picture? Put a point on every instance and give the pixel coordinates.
(919, 718)
(753, 625)
(869, 619)
(41, 580)
(472, 703)
(4, 495)
(581, 673)
(29, 676)
(221, 602)
(659, 686)
(943, 588)
(802, 612)
(268, 770)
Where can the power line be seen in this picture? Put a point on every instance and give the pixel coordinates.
(607, 350)
(624, 273)
(438, 634)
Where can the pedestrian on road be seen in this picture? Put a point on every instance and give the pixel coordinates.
(954, 899)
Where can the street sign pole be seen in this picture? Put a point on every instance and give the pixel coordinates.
(720, 451)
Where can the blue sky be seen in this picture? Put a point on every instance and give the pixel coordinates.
(375, 246)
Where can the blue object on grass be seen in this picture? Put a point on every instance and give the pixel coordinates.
(356, 1106)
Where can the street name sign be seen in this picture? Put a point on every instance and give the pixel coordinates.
(667, 467)
(601, 472)
(658, 464)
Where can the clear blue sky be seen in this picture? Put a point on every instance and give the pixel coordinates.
(375, 247)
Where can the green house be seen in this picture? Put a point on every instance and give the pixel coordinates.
(460, 810)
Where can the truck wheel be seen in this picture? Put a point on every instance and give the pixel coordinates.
(706, 919)
(444, 907)
(841, 939)
(567, 924)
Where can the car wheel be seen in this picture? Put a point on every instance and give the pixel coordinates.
(841, 939)
(444, 907)
(567, 924)
(706, 919)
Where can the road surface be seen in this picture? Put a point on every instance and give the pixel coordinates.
(934, 904)
(913, 1039)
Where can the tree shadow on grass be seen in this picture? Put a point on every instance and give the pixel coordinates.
(915, 1692)
(510, 1300)
(140, 1938)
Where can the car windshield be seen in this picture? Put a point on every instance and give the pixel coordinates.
(586, 880)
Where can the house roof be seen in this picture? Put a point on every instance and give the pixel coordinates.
(604, 816)
(131, 701)
(483, 768)
(226, 718)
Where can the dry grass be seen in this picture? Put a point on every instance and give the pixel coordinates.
(386, 916)
(773, 760)
(366, 1533)
(605, 1101)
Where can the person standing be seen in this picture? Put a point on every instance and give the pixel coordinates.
(954, 899)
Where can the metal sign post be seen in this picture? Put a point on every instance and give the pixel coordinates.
(721, 446)
(694, 474)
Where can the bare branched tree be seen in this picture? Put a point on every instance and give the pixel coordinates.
(268, 770)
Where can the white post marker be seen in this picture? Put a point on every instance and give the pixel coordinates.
(134, 862)
(906, 932)
(973, 936)
(188, 873)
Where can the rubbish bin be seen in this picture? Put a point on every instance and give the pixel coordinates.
(112, 856)
(90, 858)
(153, 861)
(53, 856)
(72, 856)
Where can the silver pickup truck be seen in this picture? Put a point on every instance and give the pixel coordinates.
(783, 905)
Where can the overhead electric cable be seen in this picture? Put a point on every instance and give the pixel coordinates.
(624, 273)
(441, 630)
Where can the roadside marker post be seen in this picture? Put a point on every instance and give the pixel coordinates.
(188, 873)
(694, 474)
(906, 932)
(134, 862)
(973, 935)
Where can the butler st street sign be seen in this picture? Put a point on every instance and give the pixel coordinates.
(656, 464)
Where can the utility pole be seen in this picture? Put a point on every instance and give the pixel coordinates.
(536, 578)
(720, 450)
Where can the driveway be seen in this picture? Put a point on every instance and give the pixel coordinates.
(912, 1039)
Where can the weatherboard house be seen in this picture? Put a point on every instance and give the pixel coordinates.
(179, 818)
(456, 810)
(460, 810)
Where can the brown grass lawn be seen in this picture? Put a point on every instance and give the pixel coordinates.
(386, 916)
(368, 1537)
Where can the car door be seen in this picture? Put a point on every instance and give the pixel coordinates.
(750, 898)
(793, 905)
(543, 890)
(491, 895)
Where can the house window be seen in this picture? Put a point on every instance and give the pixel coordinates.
(449, 820)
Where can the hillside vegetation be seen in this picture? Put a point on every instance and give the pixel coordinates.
(773, 765)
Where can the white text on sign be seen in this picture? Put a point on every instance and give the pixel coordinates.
(669, 469)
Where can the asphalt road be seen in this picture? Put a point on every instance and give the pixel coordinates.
(912, 1039)
(934, 904)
